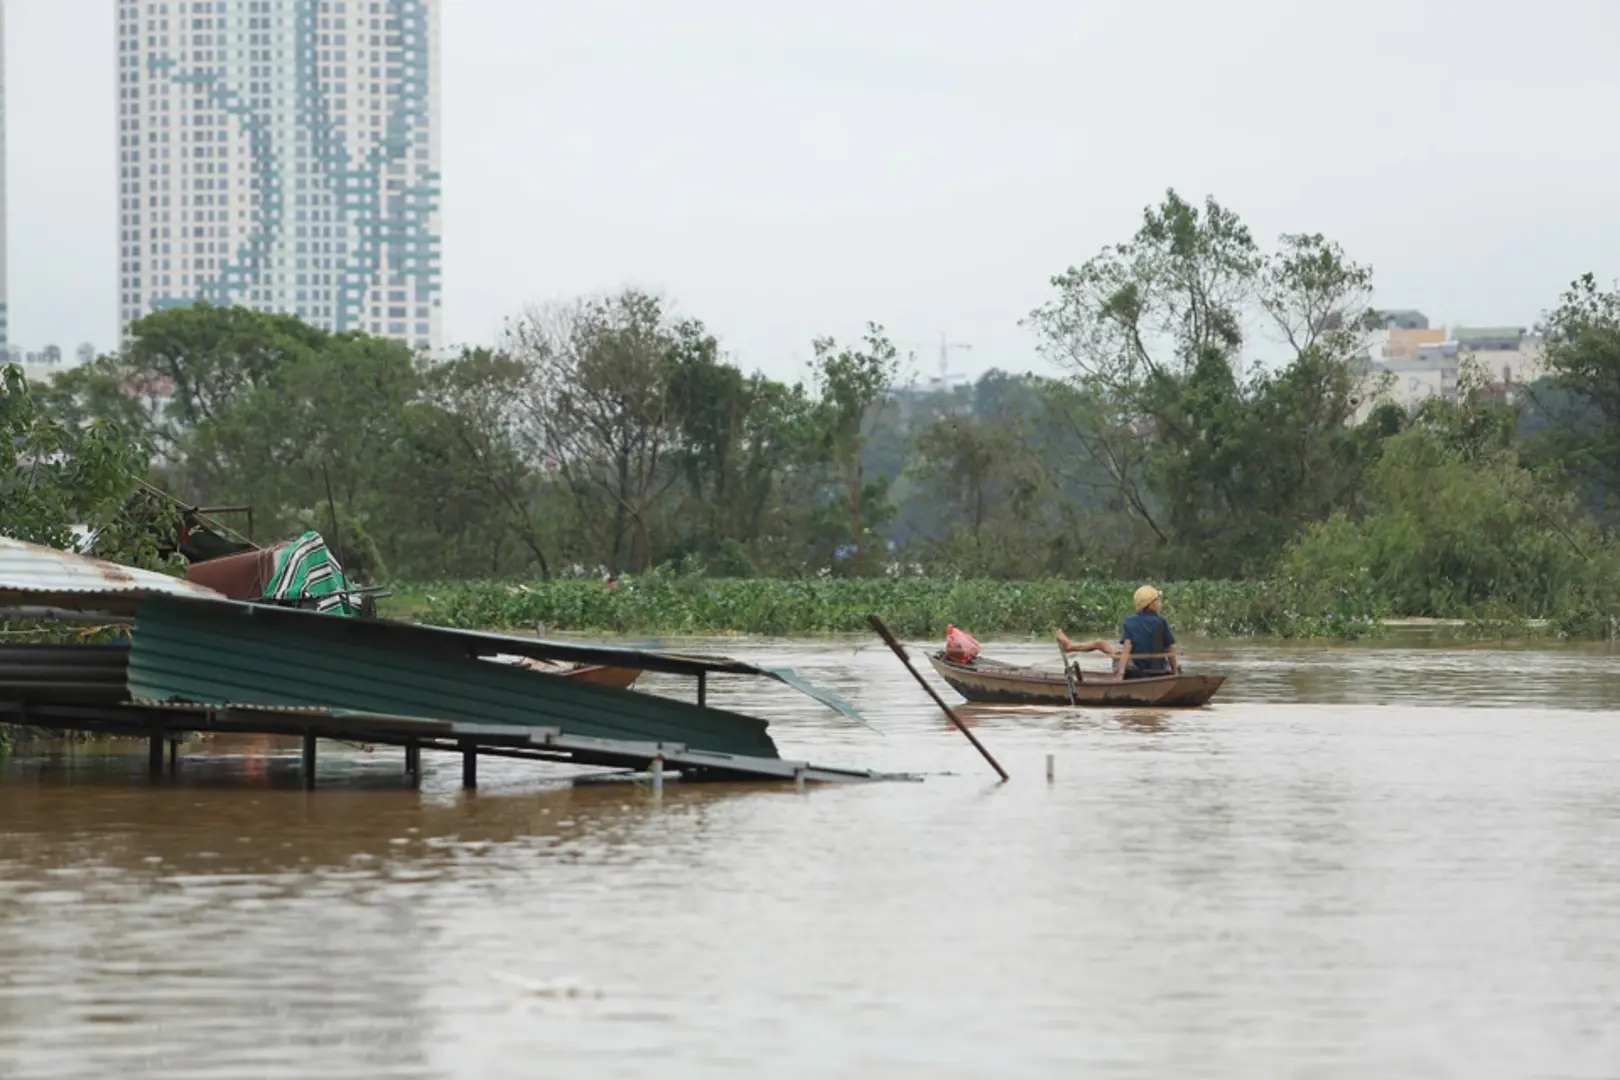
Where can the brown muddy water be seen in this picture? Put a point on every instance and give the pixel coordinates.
(1360, 862)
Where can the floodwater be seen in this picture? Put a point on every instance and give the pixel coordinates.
(1361, 862)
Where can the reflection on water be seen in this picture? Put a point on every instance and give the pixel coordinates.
(1358, 862)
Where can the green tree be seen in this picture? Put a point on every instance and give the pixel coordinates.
(264, 410)
(999, 492)
(107, 389)
(1575, 410)
(56, 479)
(469, 425)
(854, 385)
(600, 405)
(1221, 457)
(735, 437)
(1452, 533)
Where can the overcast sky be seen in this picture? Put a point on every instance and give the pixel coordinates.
(784, 170)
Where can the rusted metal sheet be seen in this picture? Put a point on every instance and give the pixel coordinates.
(32, 574)
(240, 577)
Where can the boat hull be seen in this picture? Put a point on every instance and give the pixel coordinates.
(615, 678)
(989, 682)
(619, 678)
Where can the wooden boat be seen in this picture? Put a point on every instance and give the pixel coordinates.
(619, 678)
(993, 682)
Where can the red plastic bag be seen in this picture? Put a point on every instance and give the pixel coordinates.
(960, 646)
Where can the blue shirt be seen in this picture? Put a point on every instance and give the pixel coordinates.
(1148, 633)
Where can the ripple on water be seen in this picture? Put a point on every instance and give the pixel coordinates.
(1373, 861)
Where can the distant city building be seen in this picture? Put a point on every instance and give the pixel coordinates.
(1402, 319)
(1410, 366)
(1489, 338)
(282, 155)
(42, 366)
(1404, 344)
(1510, 355)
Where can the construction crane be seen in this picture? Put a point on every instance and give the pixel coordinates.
(945, 346)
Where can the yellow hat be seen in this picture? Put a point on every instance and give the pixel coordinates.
(1145, 596)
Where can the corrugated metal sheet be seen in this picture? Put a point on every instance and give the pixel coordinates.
(477, 643)
(58, 674)
(226, 653)
(578, 749)
(30, 573)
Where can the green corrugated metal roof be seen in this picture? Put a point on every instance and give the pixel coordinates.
(227, 653)
(646, 657)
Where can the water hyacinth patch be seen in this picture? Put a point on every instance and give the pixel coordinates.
(668, 604)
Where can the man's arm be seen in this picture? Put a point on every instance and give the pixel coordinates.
(1124, 659)
(1175, 661)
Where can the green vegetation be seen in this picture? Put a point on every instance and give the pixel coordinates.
(666, 604)
(1209, 426)
(55, 476)
(1450, 537)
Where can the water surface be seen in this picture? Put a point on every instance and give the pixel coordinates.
(1360, 862)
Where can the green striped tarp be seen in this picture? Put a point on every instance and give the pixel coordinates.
(306, 570)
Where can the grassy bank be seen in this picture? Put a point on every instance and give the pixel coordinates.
(673, 605)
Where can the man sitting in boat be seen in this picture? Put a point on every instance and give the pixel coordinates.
(1147, 645)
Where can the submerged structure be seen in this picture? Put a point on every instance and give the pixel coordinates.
(195, 660)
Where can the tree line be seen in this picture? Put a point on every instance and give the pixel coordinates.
(1205, 426)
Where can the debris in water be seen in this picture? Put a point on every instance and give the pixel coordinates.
(551, 989)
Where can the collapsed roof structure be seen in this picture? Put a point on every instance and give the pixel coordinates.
(192, 659)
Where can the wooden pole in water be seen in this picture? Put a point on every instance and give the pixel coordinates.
(892, 643)
(309, 760)
(1068, 674)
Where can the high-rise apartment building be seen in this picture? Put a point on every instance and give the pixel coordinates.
(282, 155)
(5, 320)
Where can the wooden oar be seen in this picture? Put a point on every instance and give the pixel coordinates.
(1068, 674)
(891, 642)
